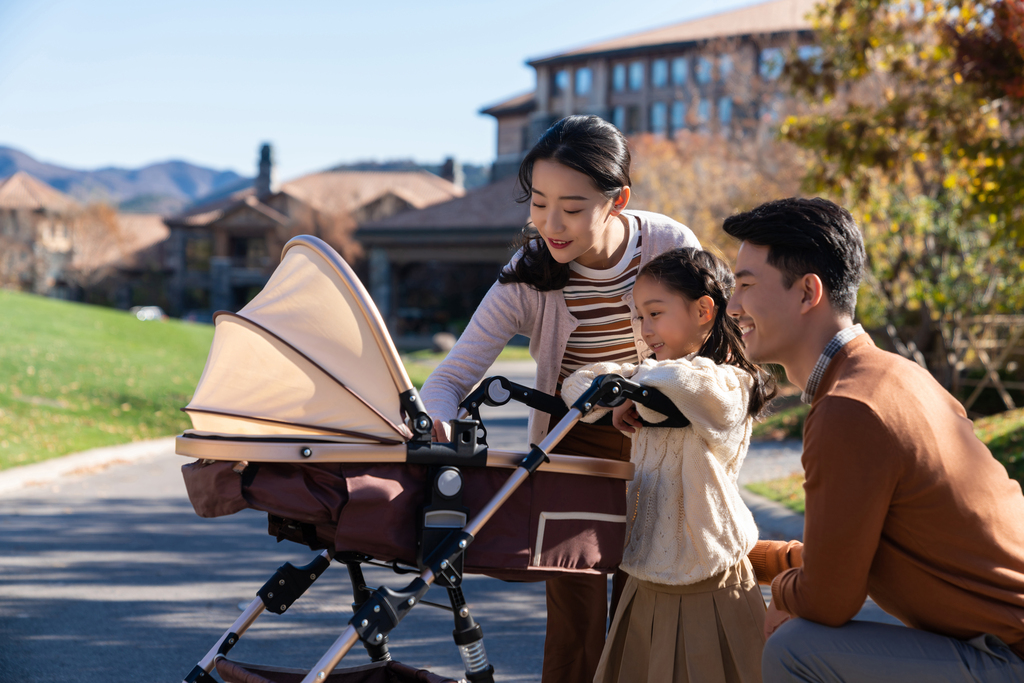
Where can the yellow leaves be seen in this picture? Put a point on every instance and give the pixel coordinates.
(958, 79)
(992, 123)
(950, 182)
(992, 218)
(920, 156)
(894, 227)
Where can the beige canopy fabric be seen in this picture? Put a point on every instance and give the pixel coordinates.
(309, 356)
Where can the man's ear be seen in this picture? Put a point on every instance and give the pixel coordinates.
(619, 203)
(812, 291)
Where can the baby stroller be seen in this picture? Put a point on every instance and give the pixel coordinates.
(305, 411)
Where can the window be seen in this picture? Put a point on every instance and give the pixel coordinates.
(560, 83)
(678, 116)
(703, 70)
(725, 111)
(659, 73)
(619, 118)
(659, 118)
(680, 70)
(770, 64)
(724, 67)
(584, 81)
(636, 76)
(703, 113)
(619, 77)
(197, 253)
(634, 120)
(812, 54)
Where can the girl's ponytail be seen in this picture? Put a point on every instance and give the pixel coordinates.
(695, 273)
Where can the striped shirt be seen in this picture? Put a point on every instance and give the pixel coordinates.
(594, 298)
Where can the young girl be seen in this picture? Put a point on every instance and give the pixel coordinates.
(691, 609)
(567, 290)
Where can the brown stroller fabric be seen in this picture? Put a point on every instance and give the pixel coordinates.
(553, 524)
(378, 672)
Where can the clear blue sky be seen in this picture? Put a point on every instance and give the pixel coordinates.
(127, 83)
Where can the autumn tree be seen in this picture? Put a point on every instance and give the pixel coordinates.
(917, 128)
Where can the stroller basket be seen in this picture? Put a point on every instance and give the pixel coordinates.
(377, 672)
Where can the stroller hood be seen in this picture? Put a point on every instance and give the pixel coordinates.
(308, 357)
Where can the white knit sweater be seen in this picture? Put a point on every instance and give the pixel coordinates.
(685, 521)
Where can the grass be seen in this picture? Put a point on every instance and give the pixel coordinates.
(1003, 433)
(74, 377)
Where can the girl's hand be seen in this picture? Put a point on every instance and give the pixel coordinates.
(773, 619)
(440, 432)
(625, 418)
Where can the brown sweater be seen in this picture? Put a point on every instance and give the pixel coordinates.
(904, 504)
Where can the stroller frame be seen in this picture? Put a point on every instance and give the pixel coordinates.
(441, 545)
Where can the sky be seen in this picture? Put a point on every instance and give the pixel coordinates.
(128, 83)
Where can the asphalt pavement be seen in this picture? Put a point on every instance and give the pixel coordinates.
(106, 573)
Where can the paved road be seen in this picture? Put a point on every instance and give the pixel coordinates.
(107, 574)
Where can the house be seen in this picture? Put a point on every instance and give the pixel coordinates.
(717, 73)
(36, 225)
(223, 252)
(428, 269)
(52, 245)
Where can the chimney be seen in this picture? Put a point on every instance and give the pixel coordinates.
(263, 180)
(451, 171)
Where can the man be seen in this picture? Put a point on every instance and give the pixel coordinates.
(904, 503)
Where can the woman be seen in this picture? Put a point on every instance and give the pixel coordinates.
(568, 290)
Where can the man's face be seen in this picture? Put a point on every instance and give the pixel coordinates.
(767, 312)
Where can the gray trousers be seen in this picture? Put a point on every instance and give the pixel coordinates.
(864, 651)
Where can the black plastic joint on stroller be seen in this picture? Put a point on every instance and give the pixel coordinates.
(289, 583)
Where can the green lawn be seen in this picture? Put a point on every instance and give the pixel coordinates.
(74, 377)
(1003, 433)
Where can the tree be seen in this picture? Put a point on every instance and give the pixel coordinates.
(918, 130)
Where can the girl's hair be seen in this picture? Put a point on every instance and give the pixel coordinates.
(695, 273)
(587, 144)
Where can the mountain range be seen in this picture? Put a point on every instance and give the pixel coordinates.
(163, 188)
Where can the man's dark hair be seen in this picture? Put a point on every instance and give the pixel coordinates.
(807, 236)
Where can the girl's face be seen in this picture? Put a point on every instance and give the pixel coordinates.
(576, 220)
(672, 325)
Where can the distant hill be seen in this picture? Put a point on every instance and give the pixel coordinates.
(163, 188)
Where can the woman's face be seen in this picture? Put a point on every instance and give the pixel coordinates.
(576, 220)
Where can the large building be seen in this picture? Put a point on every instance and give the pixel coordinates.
(223, 252)
(717, 73)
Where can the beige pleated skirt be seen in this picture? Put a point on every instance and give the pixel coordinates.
(707, 632)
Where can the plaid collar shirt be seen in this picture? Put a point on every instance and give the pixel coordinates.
(842, 338)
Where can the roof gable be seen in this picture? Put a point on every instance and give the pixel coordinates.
(24, 191)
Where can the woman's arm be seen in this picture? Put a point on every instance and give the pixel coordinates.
(505, 311)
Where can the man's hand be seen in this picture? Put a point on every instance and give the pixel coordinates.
(440, 432)
(625, 418)
(774, 619)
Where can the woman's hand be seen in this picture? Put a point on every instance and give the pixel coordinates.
(625, 418)
(440, 433)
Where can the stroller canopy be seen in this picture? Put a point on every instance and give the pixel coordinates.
(308, 357)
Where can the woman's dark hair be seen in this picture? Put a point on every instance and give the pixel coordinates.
(695, 273)
(587, 144)
(807, 236)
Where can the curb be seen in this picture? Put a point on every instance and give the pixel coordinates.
(47, 471)
(774, 521)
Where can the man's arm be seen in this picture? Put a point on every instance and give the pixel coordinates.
(852, 466)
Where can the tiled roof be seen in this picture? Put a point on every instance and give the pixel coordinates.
(342, 192)
(768, 17)
(334, 193)
(23, 191)
(520, 103)
(489, 207)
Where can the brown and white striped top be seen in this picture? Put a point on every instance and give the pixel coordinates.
(594, 297)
